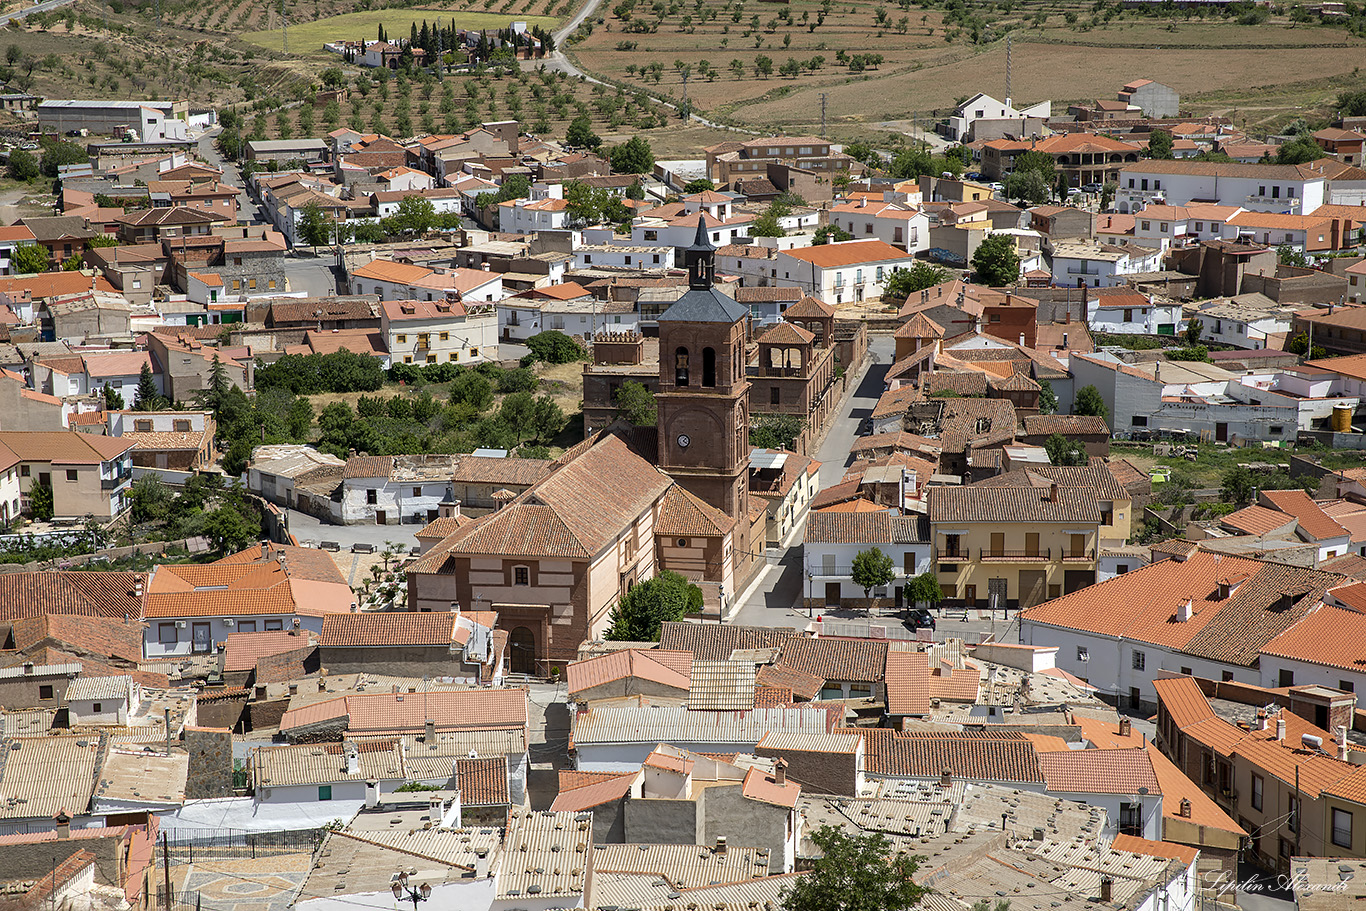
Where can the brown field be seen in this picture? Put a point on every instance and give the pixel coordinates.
(1217, 65)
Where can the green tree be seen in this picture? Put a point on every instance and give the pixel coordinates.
(1090, 402)
(826, 233)
(856, 873)
(581, 135)
(1193, 330)
(775, 431)
(473, 389)
(1035, 160)
(1300, 150)
(58, 152)
(29, 258)
(73, 263)
(554, 347)
(1159, 144)
(872, 569)
(922, 274)
(767, 225)
(924, 589)
(700, 185)
(146, 397)
(1048, 399)
(113, 399)
(415, 214)
(22, 165)
(640, 613)
(1287, 255)
(228, 529)
(995, 261)
(1064, 451)
(636, 403)
(1026, 185)
(151, 499)
(102, 240)
(1237, 485)
(633, 156)
(40, 501)
(1299, 344)
(315, 225)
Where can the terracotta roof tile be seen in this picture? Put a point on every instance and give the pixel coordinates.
(243, 649)
(836, 659)
(1099, 771)
(646, 664)
(849, 527)
(387, 630)
(1013, 504)
(98, 594)
(849, 253)
(483, 781)
(973, 758)
(763, 787)
(587, 795)
(1313, 521)
(683, 515)
(1065, 424)
(1257, 520)
(713, 642)
(795, 682)
(1329, 636)
(914, 680)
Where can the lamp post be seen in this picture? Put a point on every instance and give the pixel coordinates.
(401, 891)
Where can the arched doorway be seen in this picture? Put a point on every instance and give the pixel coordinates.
(522, 646)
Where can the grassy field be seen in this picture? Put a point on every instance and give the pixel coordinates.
(309, 37)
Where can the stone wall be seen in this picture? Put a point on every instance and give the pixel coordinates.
(286, 666)
(210, 772)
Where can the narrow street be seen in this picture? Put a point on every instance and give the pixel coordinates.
(772, 598)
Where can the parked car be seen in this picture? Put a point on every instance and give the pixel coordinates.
(917, 618)
(972, 175)
(1092, 188)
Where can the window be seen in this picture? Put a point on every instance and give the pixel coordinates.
(181, 426)
(23, 471)
(407, 358)
(45, 691)
(324, 792)
(1199, 226)
(1145, 183)
(1257, 784)
(1139, 420)
(521, 575)
(274, 624)
(431, 358)
(1226, 676)
(474, 352)
(402, 339)
(237, 284)
(1347, 686)
(166, 632)
(1147, 225)
(73, 474)
(251, 283)
(1342, 828)
(1292, 821)
(1162, 227)
(1287, 677)
(271, 284)
(237, 260)
(445, 336)
(1083, 654)
(137, 283)
(1128, 316)
(371, 497)
(1157, 184)
(1131, 183)
(1276, 429)
(417, 491)
(98, 707)
(773, 395)
(1140, 660)
(1261, 191)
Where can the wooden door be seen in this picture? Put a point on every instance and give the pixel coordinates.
(1078, 545)
(970, 595)
(832, 594)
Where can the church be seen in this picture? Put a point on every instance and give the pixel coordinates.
(624, 505)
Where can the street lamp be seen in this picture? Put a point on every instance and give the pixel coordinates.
(401, 891)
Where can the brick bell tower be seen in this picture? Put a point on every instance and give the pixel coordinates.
(703, 397)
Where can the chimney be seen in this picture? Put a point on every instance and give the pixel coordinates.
(371, 793)
(168, 730)
(63, 824)
(429, 732)
(1053, 492)
(1280, 730)
(265, 550)
(1064, 340)
(1185, 808)
(1022, 339)
(1185, 611)
(720, 844)
(946, 778)
(780, 771)
(1125, 727)
(137, 589)
(1260, 724)
(1107, 889)
(28, 668)
(294, 689)
(352, 759)
(1341, 731)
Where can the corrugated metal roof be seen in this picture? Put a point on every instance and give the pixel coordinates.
(42, 775)
(684, 866)
(99, 688)
(545, 856)
(721, 686)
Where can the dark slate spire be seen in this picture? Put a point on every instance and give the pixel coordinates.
(700, 258)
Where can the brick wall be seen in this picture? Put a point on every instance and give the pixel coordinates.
(409, 661)
(210, 772)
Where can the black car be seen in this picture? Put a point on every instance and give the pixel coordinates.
(917, 618)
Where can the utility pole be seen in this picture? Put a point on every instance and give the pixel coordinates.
(166, 868)
(284, 25)
(822, 115)
(1009, 97)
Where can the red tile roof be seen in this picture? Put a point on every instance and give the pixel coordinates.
(913, 681)
(243, 649)
(978, 759)
(387, 630)
(1313, 520)
(667, 668)
(1099, 771)
(1256, 520)
(852, 660)
(849, 253)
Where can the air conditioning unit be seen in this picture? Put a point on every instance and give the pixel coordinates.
(228, 621)
(180, 624)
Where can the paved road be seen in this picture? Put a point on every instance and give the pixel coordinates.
(771, 600)
(43, 7)
(315, 276)
(208, 151)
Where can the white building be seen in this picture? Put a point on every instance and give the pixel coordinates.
(985, 108)
(1175, 226)
(1101, 265)
(404, 281)
(680, 231)
(890, 221)
(11, 237)
(622, 256)
(1251, 321)
(431, 332)
(835, 273)
(833, 539)
(1294, 189)
(545, 210)
(1131, 313)
(102, 700)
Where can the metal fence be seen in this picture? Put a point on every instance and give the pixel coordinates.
(185, 845)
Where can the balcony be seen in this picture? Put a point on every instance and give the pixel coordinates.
(1036, 555)
(117, 480)
(953, 556)
(1085, 556)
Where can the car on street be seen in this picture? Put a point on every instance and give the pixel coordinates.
(917, 618)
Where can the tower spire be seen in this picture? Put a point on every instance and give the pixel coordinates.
(700, 258)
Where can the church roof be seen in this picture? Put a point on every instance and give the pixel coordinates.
(784, 333)
(704, 306)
